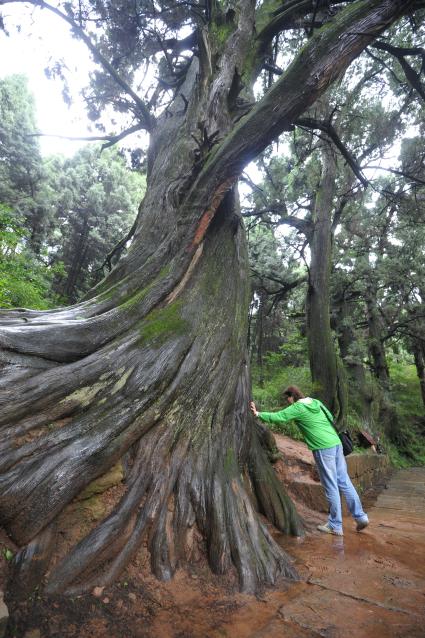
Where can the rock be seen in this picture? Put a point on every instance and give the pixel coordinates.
(4, 615)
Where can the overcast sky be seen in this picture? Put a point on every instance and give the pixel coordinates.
(43, 36)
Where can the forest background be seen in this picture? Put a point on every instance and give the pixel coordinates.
(333, 209)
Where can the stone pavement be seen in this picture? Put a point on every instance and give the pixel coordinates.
(365, 585)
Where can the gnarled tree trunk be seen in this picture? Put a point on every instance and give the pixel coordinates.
(152, 368)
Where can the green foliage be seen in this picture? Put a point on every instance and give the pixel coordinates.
(7, 553)
(70, 212)
(406, 395)
(95, 202)
(21, 166)
(268, 398)
(20, 160)
(24, 280)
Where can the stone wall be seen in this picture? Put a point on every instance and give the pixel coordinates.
(368, 470)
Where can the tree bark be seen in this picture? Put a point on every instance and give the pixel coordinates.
(376, 339)
(321, 348)
(387, 413)
(356, 372)
(151, 369)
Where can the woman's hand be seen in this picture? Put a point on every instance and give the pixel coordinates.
(253, 408)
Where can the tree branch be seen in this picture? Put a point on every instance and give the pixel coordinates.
(397, 172)
(146, 118)
(285, 286)
(109, 139)
(400, 54)
(331, 132)
(285, 17)
(300, 224)
(322, 60)
(119, 247)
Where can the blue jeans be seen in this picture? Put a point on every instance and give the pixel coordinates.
(334, 477)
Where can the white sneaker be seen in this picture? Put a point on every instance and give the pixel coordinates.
(362, 524)
(329, 530)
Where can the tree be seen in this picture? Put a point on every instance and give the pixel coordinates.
(21, 168)
(376, 294)
(274, 276)
(24, 281)
(94, 206)
(154, 365)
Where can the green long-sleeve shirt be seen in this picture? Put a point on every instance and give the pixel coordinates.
(315, 427)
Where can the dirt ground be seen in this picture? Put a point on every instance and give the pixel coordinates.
(369, 584)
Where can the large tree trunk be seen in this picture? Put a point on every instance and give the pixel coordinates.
(321, 349)
(152, 369)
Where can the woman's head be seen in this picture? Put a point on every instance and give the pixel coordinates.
(293, 392)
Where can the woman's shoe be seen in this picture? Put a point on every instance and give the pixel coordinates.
(329, 530)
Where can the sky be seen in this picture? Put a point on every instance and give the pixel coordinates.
(43, 36)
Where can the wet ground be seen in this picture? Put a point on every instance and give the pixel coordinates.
(364, 585)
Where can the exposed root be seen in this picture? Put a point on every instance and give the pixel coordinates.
(273, 502)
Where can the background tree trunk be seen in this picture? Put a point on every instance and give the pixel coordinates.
(354, 366)
(376, 339)
(419, 354)
(319, 335)
(388, 417)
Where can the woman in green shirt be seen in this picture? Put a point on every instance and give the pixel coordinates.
(314, 421)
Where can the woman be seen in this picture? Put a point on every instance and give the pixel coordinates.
(314, 421)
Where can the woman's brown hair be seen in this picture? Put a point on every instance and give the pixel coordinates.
(294, 392)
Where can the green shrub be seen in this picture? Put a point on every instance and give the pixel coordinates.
(25, 281)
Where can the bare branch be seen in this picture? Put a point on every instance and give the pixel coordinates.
(119, 247)
(400, 53)
(109, 139)
(413, 178)
(301, 225)
(330, 131)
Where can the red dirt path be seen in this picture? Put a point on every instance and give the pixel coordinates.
(365, 585)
